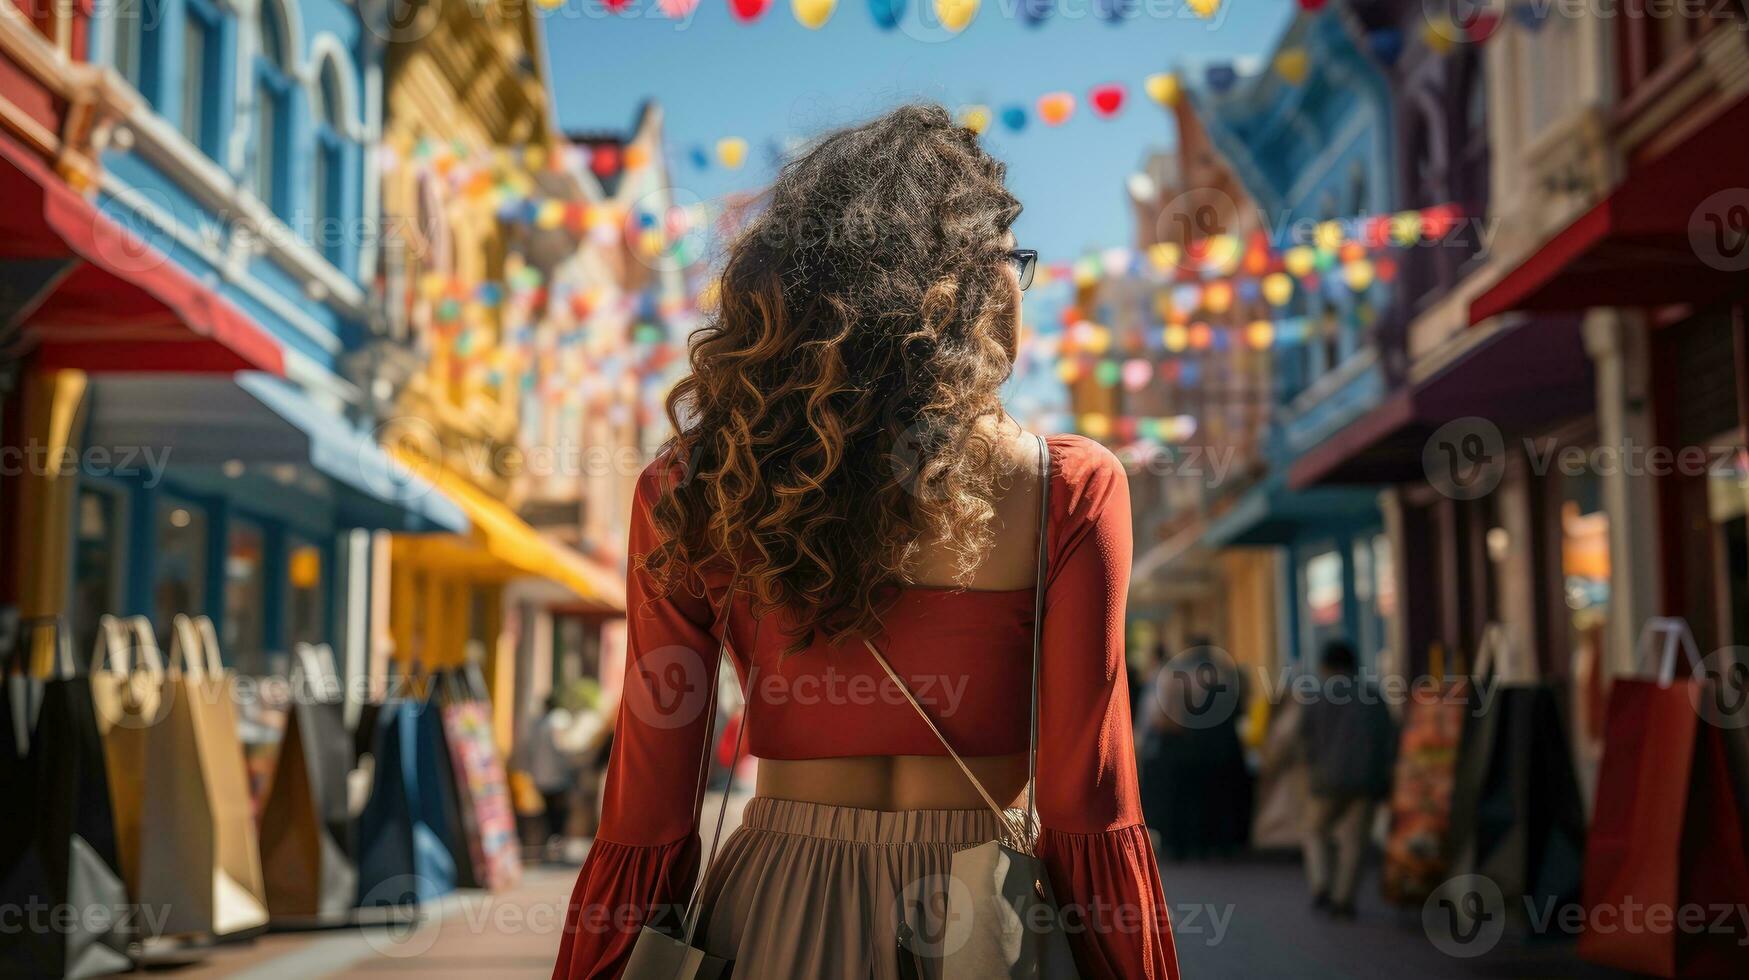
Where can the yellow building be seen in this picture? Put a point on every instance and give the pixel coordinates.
(467, 130)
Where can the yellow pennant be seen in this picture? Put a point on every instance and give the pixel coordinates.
(956, 14)
(732, 152)
(975, 118)
(1292, 64)
(1164, 88)
(813, 14)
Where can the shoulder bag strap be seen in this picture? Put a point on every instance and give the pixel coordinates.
(1022, 835)
(689, 915)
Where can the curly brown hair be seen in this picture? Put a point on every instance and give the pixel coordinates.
(836, 414)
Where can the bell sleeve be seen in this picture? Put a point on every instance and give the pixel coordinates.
(643, 861)
(1092, 839)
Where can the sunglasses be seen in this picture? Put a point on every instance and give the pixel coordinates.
(1025, 264)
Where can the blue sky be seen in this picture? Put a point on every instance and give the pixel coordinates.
(775, 79)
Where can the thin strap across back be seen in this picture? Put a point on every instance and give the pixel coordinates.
(1023, 837)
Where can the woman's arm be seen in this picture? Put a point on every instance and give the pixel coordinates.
(645, 855)
(1102, 864)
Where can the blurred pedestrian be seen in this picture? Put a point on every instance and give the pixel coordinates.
(554, 770)
(1196, 787)
(1349, 740)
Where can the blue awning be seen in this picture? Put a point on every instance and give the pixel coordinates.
(1271, 514)
(354, 457)
(255, 418)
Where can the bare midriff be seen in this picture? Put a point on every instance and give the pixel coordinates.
(899, 782)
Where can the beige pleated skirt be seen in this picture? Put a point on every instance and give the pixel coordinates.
(815, 892)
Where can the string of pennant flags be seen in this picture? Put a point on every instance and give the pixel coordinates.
(954, 16)
(1108, 100)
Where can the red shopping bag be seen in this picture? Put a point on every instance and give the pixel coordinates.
(1665, 866)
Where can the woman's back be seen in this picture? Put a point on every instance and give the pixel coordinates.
(847, 514)
(966, 651)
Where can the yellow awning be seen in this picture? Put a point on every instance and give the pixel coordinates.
(509, 542)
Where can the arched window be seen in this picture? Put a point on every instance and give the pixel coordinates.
(203, 45)
(329, 197)
(273, 88)
(128, 42)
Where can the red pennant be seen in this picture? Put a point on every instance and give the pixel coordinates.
(604, 160)
(1107, 99)
(748, 11)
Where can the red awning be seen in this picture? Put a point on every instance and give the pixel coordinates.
(1648, 243)
(106, 300)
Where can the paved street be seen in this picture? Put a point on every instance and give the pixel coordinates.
(1241, 919)
(1251, 918)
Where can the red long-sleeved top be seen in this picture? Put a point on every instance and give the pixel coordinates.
(966, 654)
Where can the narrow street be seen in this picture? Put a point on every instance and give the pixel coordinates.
(1251, 918)
(1246, 918)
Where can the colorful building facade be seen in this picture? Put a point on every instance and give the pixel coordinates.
(215, 276)
(1307, 153)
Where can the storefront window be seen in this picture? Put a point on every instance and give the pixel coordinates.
(1375, 586)
(1322, 576)
(1585, 565)
(307, 614)
(245, 632)
(179, 580)
(98, 550)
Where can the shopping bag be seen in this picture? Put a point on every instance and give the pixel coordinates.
(403, 857)
(307, 833)
(1281, 782)
(127, 677)
(487, 820)
(199, 857)
(1417, 849)
(1517, 816)
(1668, 828)
(57, 838)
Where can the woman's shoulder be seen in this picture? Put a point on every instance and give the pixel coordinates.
(664, 471)
(1088, 477)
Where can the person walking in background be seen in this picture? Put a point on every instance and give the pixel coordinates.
(1196, 788)
(554, 770)
(1349, 740)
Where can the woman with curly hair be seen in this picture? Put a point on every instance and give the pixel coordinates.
(848, 515)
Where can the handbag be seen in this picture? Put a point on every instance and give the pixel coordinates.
(404, 855)
(1668, 828)
(199, 856)
(1002, 918)
(57, 841)
(307, 851)
(127, 688)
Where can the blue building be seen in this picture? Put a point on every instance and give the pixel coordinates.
(1312, 151)
(235, 152)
